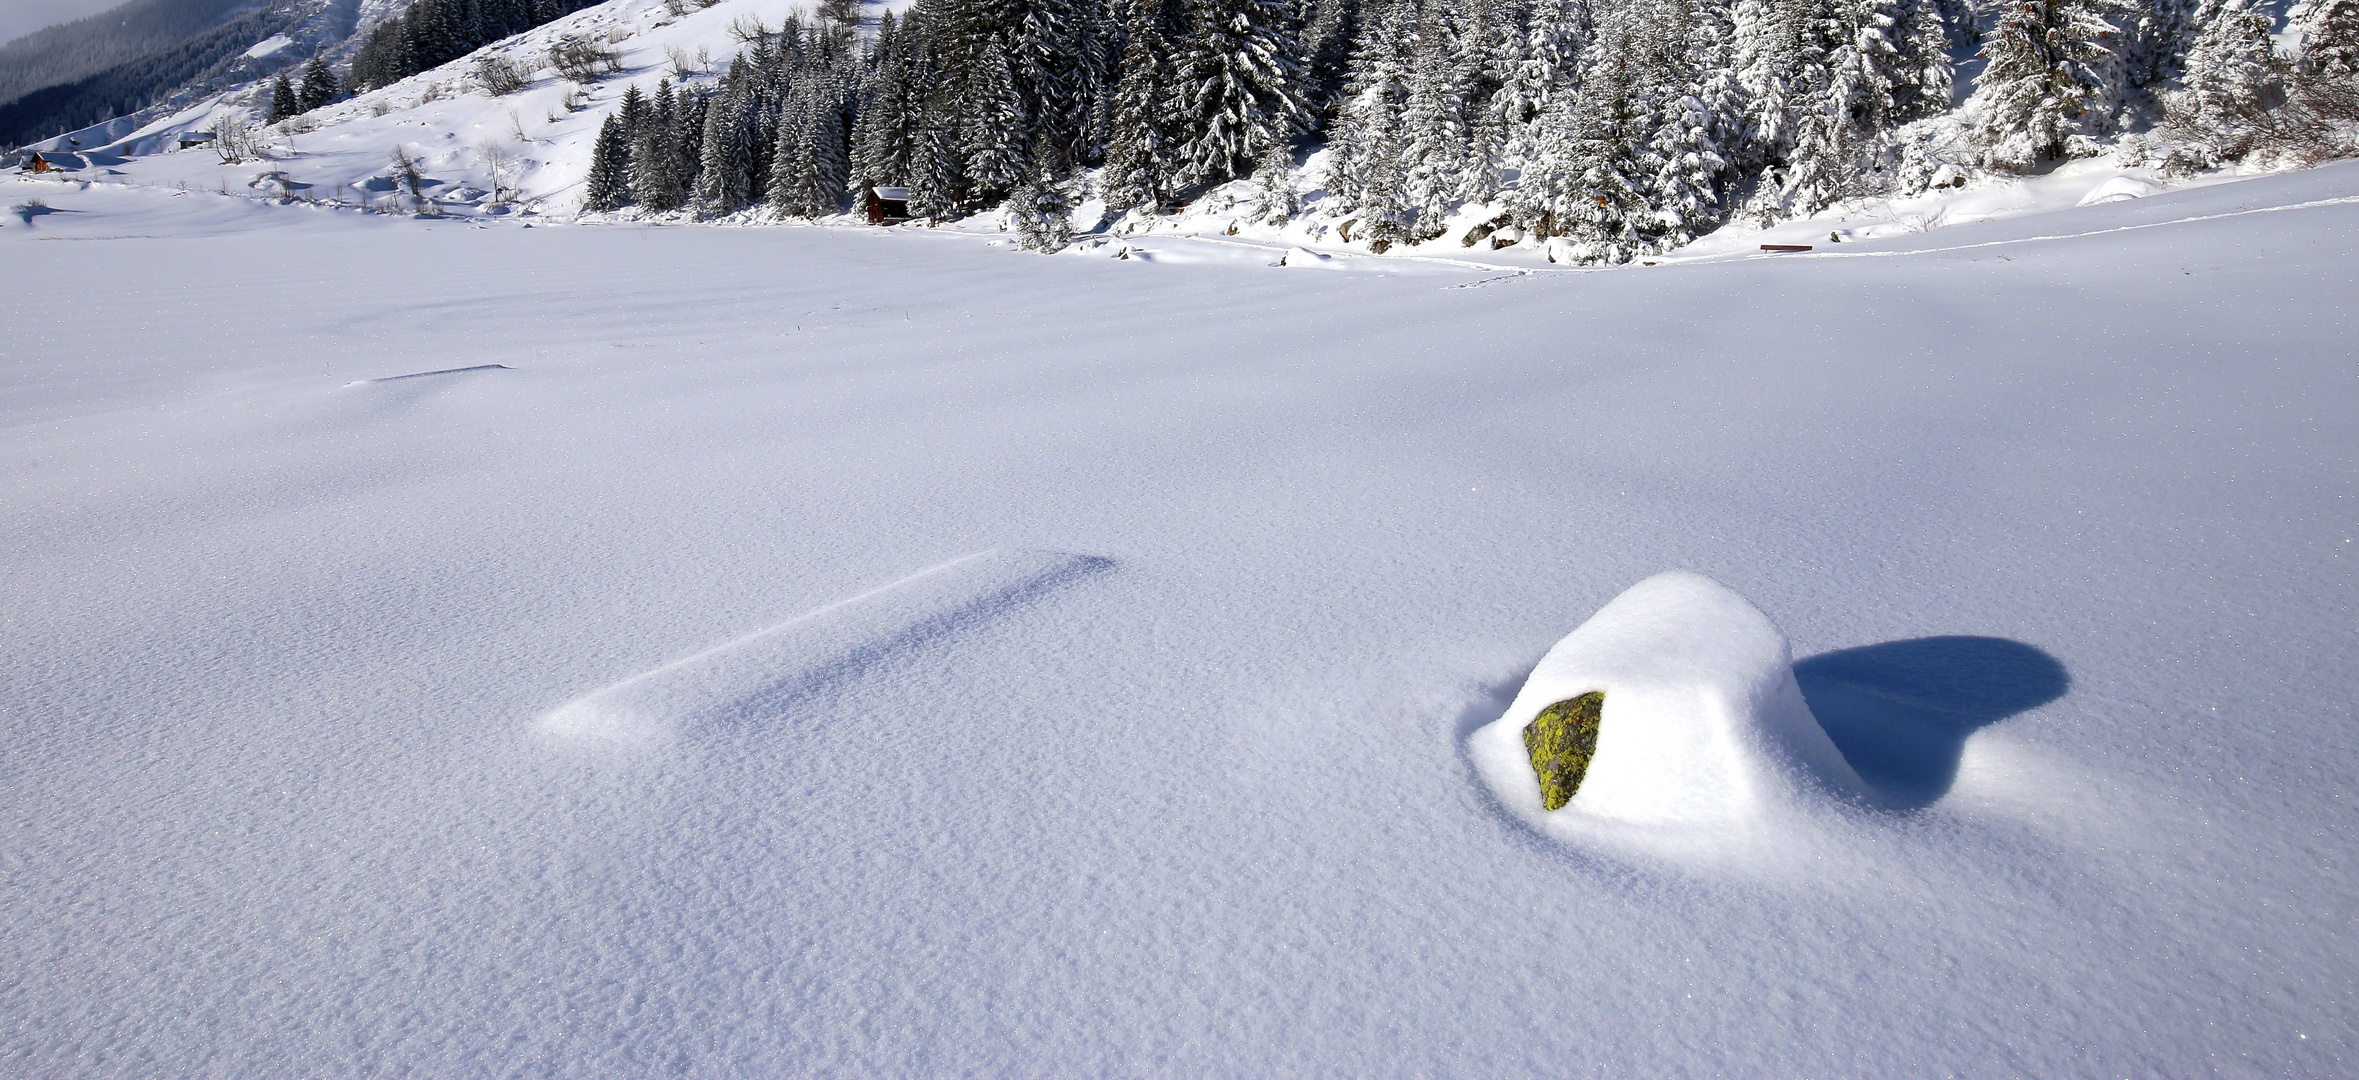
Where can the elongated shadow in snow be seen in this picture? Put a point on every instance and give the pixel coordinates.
(1901, 711)
(768, 675)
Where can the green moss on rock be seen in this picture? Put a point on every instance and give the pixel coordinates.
(1561, 740)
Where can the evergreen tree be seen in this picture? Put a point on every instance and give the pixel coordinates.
(609, 186)
(1545, 68)
(1275, 200)
(655, 156)
(1240, 86)
(1433, 129)
(319, 85)
(2329, 34)
(1137, 170)
(1039, 210)
(2041, 78)
(992, 130)
(283, 102)
(2234, 80)
(725, 177)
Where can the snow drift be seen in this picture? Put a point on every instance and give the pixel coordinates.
(1703, 728)
(764, 673)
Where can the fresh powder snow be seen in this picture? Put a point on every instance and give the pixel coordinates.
(883, 652)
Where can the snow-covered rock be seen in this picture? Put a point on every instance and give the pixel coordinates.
(1703, 724)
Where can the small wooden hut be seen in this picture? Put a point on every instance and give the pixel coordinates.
(887, 205)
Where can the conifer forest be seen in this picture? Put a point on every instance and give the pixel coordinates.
(1625, 127)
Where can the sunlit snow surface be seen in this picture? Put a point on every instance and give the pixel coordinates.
(2060, 531)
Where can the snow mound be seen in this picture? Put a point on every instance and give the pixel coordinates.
(762, 675)
(2118, 189)
(1703, 728)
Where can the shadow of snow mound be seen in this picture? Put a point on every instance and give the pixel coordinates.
(1901, 711)
(764, 675)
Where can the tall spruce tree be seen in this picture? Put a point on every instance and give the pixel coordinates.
(609, 185)
(1240, 86)
(1137, 152)
(2044, 71)
(319, 87)
(283, 101)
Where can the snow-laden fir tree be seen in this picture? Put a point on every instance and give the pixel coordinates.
(1547, 66)
(1365, 136)
(2328, 31)
(655, 156)
(2044, 70)
(1240, 86)
(1275, 199)
(1138, 151)
(319, 86)
(1434, 137)
(1039, 210)
(2234, 80)
(993, 126)
(609, 185)
(283, 100)
(725, 180)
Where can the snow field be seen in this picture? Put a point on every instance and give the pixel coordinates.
(2056, 519)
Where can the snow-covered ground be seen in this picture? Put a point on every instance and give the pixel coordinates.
(872, 652)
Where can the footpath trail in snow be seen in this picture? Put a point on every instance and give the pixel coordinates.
(2060, 534)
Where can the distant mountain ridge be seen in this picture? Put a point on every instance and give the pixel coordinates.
(130, 57)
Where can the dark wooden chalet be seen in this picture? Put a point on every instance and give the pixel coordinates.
(887, 205)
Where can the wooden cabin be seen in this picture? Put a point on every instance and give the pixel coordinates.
(192, 139)
(887, 205)
(41, 163)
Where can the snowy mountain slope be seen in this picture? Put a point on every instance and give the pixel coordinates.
(2058, 528)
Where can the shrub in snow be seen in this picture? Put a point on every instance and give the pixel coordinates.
(498, 75)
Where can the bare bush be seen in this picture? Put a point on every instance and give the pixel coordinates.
(682, 65)
(499, 163)
(405, 170)
(748, 30)
(584, 60)
(236, 138)
(498, 75)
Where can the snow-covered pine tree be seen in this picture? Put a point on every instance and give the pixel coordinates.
(1275, 199)
(1547, 66)
(2044, 71)
(1327, 46)
(1485, 45)
(2234, 81)
(725, 182)
(655, 171)
(1364, 137)
(1607, 150)
(2328, 31)
(1697, 111)
(690, 109)
(1039, 210)
(609, 185)
(1240, 86)
(880, 134)
(283, 102)
(319, 87)
(991, 136)
(1434, 137)
(937, 188)
(1137, 170)
(1045, 57)
(1927, 78)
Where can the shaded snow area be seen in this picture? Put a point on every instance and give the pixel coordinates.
(795, 651)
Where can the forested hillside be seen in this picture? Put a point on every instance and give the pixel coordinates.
(1624, 126)
(119, 35)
